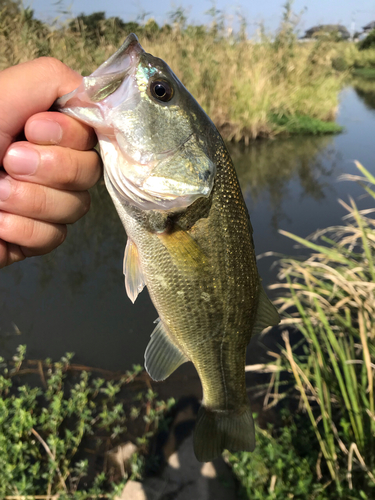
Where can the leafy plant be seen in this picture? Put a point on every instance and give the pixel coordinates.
(44, 431)
(281, 466)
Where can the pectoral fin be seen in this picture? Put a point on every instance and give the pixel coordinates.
(267, 314)
(134, 279)
(162, 357)
(184, 250)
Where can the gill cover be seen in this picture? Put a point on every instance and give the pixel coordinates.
(154, 153)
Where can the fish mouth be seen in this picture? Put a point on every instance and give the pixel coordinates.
(127, 55)
(96, 88)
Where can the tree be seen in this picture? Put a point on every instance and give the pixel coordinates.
(368, 42)
(95, 26)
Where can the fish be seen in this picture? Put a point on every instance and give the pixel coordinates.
(189, 235)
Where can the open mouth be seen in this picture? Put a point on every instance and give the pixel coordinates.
(97, 88)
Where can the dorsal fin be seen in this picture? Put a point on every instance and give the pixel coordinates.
(134, 279)
(162, 356)
(267, 314)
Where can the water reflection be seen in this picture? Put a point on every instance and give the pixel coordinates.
(74, 298)
(269, 166)
(96, 241)
(365, 89)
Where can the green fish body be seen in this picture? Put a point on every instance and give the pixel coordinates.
(190, 241)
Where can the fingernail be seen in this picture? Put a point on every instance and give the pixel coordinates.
(5, 188)
(22, 161)
(44, 132)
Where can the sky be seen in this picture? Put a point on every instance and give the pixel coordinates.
(353, 14)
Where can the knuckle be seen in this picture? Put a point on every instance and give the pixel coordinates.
(52, 65)
(30, 230)
(61, 234)
(72, 169)
(40, 203)
(86, 202)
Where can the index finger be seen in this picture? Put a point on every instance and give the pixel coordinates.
(27, 89)
(70, 132)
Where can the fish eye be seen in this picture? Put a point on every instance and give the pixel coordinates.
(161, 90)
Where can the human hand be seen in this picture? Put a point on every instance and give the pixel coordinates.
(44, 186)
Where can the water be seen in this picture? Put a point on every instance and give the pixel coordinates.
(74, 300)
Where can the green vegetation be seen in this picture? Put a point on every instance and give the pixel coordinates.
(250, 89)
(281, 466)
(299, 124)
(365, 73)
(51, 433)
(368, 42)
(329, 300)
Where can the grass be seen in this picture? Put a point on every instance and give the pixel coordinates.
(365, 73)
(305, 125)
(249, 89)
(329, 298)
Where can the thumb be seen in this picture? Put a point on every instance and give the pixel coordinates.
(29, 88)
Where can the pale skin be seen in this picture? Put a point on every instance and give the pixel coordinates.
(45, 178)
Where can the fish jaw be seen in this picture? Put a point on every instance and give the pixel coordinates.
(91, 94)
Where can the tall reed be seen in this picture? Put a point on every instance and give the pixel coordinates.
(329, 298)
(249, 89)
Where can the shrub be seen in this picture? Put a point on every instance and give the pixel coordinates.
(44, 431)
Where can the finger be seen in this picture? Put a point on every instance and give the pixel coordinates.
(47, 79)
(10, 253)
(42, 203)
(54, 166)
(34, 237)
(57, 128)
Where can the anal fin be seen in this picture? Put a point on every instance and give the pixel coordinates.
(267, 314)
(162, 357)
(134, 279)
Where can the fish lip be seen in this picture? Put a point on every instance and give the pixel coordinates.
(130, 52)
(131, 46)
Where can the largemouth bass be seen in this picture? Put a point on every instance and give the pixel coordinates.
(190, 241)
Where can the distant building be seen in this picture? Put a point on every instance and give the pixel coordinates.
(369, 27)
(328, 30)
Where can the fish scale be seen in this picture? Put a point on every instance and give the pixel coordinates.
(190, 240)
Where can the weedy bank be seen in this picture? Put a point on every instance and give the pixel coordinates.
(328, 299)
(250, 89)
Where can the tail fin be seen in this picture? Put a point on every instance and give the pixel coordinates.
(216, 431)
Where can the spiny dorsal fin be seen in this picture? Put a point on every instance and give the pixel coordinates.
(162, 357)
(267, 314)
(134, 279)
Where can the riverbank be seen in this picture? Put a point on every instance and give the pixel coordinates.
(319, 395)
(250, 90)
